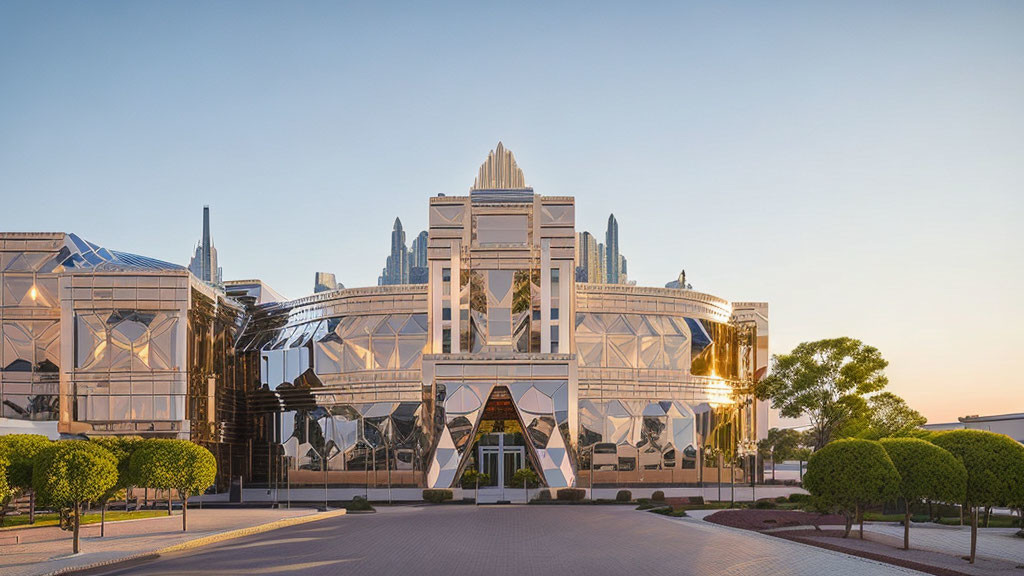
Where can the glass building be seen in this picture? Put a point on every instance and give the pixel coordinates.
(500, 361)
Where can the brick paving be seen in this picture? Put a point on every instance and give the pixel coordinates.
(998, 543)
(514, 540)
(45, 550)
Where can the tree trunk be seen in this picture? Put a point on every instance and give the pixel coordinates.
(168, 502)
(801, 472)
(773, 468)
(974, 533)
(184, 512)
(860, 519)
(988, 515)
(32, 507)
(103, 520)
(906, 526)
(849, 524)
(77, 523)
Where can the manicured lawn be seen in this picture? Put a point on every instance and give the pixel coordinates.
(52, 519)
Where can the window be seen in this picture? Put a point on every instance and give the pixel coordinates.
(446, 341)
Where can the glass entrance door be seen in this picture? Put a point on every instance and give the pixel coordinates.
(500, 460)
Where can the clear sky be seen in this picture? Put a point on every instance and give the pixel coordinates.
(859, 165)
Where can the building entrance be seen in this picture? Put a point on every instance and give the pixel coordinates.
(500, 456)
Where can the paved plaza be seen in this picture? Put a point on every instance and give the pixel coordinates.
(33, 551)
(513, 540)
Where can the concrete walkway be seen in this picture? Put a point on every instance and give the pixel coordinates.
(46, 550)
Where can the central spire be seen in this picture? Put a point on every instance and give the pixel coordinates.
(499, 172)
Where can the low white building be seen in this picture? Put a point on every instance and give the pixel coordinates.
(1010, 424)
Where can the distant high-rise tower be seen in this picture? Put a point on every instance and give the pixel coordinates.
(325, 282)
(587, 258)
(418, 253)
(611, 251)
(396, 270)
(623, 275)
(204, 261)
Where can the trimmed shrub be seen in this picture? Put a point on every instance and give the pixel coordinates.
(437, 496)
(927, 472)
(995, 470)
(623, 496)
(849, 475)
(658, 496)
(525, 475)
(764, 505)
(797, 498)
(71, 473)
(571, 494)
(359, 504)
(542, 496)
(470, 477)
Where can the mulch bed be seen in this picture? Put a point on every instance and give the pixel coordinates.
(767, 519)
(833, 540)
(830, 539)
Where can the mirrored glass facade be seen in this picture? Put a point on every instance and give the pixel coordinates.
(500, 361)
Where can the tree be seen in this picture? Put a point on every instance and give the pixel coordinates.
(21, 450)
(927, 472)
(850, 474)
(5, 487)
(174, 465)
(196, 472)
(779, 444)
(889, 416)
(70, 473)
(121, 448)
(995, 470)
(826, 381)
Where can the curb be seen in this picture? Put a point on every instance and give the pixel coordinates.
(201, 541)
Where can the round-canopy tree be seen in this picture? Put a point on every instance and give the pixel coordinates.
(995, 470)
(21, 450)
(70, 473)
(927, 472)
(849, 475)
(121, 448)
(174, 465)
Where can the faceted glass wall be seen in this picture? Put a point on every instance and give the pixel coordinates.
(29, 327)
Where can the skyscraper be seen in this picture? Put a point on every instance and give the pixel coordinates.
(204, 261)
(396, 270)
(418, 270)
(325, 282)
(587, 258)
(418, 253)
(611, 247)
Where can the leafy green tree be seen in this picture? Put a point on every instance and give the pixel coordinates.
(71, 473)
(779, 444)
(850, 474)
(21, 450)
(995, 470)
(5, 487)
(927, 472)
(174, 465)
(889, 416)
(826, 381)
(121, 448)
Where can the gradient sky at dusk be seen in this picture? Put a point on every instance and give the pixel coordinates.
(858, 165)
